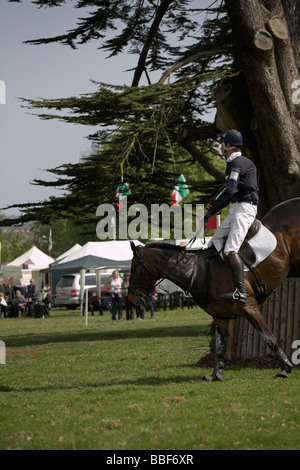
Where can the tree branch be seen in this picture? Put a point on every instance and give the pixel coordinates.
(193, 58)
(203, 160)
(152, 31)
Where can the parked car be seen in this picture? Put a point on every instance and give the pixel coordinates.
(67, 292)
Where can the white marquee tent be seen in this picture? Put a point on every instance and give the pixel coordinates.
(28, 265)
(68, 252)
(34, 259)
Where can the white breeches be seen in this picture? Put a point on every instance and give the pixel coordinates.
(235, 226)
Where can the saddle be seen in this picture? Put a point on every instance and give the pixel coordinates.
(258, 244)
(246, 252)
(253, 230)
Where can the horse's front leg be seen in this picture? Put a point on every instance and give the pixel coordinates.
(221, 329)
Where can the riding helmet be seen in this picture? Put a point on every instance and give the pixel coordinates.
(232, 136)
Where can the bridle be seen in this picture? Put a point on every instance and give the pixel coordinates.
(144, 268)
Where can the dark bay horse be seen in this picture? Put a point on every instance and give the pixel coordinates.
(205, 277)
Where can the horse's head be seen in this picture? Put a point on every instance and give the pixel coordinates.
(142, 278)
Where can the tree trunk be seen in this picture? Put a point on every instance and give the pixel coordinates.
(266, 34)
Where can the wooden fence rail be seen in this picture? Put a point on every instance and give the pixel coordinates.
(281, 311)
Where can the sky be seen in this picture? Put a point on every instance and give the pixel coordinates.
(28, 145)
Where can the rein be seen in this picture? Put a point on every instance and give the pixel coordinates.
(145, 267)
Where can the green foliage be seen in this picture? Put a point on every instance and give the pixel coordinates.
(139, 147)
(12, 246)
(65, 234)
(137, 127)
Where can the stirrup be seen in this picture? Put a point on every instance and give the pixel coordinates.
(236, 295)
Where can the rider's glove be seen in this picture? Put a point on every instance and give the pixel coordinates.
(207, 215)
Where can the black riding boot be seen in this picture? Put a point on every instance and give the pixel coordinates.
(240, 292)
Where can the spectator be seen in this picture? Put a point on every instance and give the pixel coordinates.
(140, 312)
(115, 283)
(128, 305)
(46, 289)
(151, 301)
(9, 291)
(31, 296)
(19, 304)
(31, 290)
(3, 305)
(2, 288)
(47, 301)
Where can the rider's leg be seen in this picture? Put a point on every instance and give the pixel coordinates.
(221, 232)
(242, 216)
(239, 292)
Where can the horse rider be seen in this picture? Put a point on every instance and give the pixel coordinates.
(241, 190)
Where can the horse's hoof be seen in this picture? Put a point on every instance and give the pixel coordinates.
(282, 375)
(208, 378)
(287, 369)
(211, 378)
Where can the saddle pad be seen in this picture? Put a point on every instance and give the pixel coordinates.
(263, 243)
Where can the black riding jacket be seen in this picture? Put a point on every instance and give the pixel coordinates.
(240, 186)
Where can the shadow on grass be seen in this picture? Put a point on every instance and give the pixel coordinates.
(153, 381)
(36, 339)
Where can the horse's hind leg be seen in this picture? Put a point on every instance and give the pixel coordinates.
(221, 328)
(255, 317)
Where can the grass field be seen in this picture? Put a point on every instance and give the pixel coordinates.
(134, 385)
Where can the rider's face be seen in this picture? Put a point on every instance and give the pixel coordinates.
(223, 149)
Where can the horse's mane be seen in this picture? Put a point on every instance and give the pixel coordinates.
(169, 246)
(165, 246)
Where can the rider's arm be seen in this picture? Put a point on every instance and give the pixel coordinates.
(225, 193)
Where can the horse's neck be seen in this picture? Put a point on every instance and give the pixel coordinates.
(179, 267)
